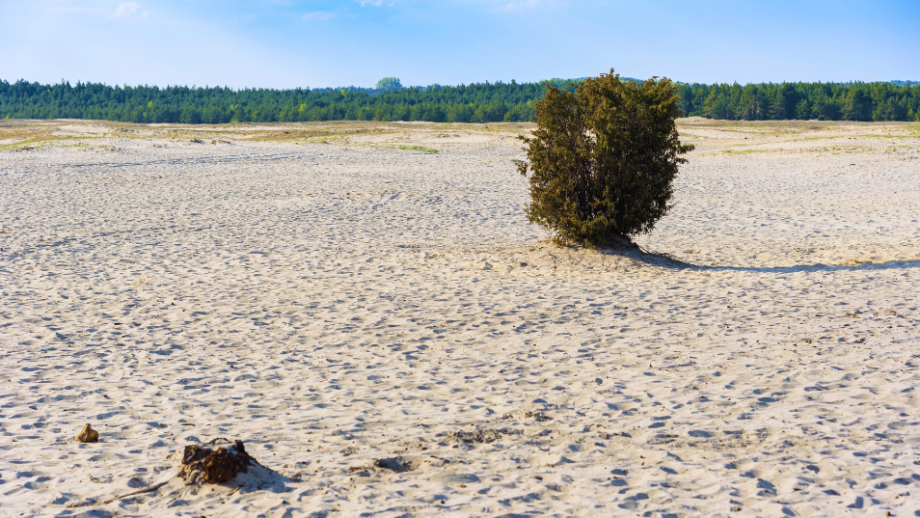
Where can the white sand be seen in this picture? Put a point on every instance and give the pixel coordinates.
(336, 305)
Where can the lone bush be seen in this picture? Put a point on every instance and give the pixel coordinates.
(603, 159)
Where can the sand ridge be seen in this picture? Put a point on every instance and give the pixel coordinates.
(386, 332)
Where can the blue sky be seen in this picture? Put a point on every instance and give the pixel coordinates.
(315, 43)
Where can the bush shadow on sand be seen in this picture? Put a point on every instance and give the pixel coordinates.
(546, 256)
(664, 260)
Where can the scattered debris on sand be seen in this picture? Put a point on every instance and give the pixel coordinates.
(528, 414)
(484, 436)
(398, 465)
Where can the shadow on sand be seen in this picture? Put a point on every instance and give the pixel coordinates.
(663, 260)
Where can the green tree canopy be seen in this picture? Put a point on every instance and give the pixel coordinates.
(603, 159)
(389, 84)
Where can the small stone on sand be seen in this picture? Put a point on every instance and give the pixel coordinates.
(87, 434)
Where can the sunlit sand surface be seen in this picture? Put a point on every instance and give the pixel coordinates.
(385, 331)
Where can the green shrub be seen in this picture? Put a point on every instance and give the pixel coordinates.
(603, 159)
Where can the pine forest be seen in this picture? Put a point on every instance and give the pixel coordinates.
(481, 102)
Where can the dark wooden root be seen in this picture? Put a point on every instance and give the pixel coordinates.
(150, 489)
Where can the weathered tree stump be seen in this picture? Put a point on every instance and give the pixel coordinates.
(215, 462)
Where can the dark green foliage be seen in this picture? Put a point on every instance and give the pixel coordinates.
(486, 102)
(823, 101)
(603, 158)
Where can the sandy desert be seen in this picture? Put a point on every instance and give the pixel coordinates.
(367, 308)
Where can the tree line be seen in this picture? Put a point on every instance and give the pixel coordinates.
(804, 101)
(479, 102)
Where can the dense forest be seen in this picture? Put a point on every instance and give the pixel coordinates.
(823, 101)
(481, 102)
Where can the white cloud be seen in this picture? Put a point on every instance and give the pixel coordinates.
(126, 9)
(378, 3)
(318, 15)
(129, 10)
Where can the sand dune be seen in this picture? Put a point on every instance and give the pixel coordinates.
(386, 332)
